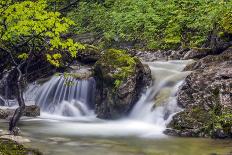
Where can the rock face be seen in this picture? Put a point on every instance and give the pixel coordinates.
(30, 111)
(206, 96)
(120, 79)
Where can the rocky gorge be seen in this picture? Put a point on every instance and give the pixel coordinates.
(121, 78)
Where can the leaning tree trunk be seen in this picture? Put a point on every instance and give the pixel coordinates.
(19, 111)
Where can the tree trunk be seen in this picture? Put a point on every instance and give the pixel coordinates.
(19, 111)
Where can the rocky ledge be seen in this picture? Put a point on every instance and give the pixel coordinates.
(120, 80)
(30, 111)
(206, 97)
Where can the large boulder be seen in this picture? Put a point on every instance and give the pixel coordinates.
(120, 80)
(206, 96)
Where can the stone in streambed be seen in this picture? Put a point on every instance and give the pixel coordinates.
(30, 111)
(120, 80)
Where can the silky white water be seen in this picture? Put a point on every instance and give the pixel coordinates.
(68, 105)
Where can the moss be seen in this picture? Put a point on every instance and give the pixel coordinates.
(193, 118)
(9, 147)
(117, 65)
(227, 22)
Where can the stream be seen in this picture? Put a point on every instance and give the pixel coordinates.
(69, 126)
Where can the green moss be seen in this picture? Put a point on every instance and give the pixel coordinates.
(227, 22)
(8, 147)
(117, 65)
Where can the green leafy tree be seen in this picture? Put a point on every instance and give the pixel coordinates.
(158, 24)
(28, 29)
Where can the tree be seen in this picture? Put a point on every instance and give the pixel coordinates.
(157, 24)
(27, 30)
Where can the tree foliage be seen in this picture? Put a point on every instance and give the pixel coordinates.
(159, 24)
(28, 29)
(27, 24)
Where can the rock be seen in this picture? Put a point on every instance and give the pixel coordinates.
(30, 111)
(197, 53)
(149, 56)
(18, 139)
(120, 80)
(206, 96)
(81, 72)
(10, 147)
(89, 55)
(4, 132)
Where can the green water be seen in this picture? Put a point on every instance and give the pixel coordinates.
(60, 144)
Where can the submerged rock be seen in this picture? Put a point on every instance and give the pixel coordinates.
(10, 147)
(206, 96)
(120, 80)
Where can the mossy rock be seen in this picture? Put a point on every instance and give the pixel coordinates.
(203, 122)
(115, 66)
(9, 147)
(120, 79)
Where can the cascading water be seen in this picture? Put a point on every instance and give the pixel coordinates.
(67, 96)
(159, 103)
(71, 103)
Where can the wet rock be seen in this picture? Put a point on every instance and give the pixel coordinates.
(32, 111)
(149, 56)
(197, 53)
(81, 71)
(206, 96)
(120, 80)
(18, 139)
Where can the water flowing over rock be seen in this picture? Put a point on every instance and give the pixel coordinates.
(159, 103)
(207, 98)
(66, 96)
(72, 100)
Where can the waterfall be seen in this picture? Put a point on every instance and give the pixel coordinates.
(70, 102)
(66, 96)
(159, 103)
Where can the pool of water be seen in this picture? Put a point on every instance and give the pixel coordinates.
(54, 141)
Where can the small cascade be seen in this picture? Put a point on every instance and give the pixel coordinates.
(159, 103)
(66, 96)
